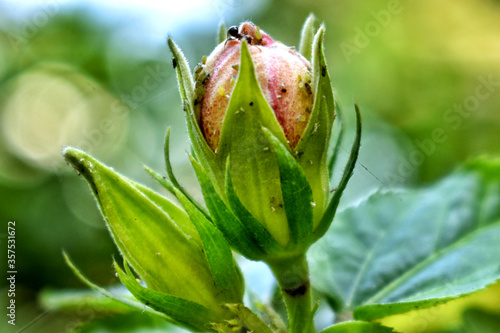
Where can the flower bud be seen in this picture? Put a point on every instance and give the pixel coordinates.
(184, 260)
(283, 74)
(260, 117)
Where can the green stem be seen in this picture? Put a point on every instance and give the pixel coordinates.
(293, 278)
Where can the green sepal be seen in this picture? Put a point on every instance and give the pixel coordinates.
(221, 33)
(242, 138)
(269, 312)
(172, 210)
(257, 234)
(204, 153)
(338, 140)
(297, 196)
(226, 275)
(167, 184)
(189, 314)
(329, 214)
(312, 149)
(248, 319)
(307, 37)
(72, 301)
(129, 302)
(201, 149)
(173, 179)
(184, 76)
(236, 233)
(127, 211)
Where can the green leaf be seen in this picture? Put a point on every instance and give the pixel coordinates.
(187, 313)
(297, 196)
(242, 137)
(407, 250)
(312, 149)
(358, 327)
(226, 275)
(307, 37)
(480, 321)
(153, 243)
(237, 233)
(331, 209)
(222, 33)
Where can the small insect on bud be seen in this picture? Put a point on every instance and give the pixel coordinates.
(277, 68)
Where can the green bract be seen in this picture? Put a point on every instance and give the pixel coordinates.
(184, 260)
(269, 199)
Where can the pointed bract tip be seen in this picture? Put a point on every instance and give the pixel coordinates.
(74, 157)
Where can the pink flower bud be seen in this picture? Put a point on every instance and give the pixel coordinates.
(283, 74)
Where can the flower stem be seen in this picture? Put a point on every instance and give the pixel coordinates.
(293, 278)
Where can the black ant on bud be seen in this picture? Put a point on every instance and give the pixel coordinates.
(246, 31)
(233, 34)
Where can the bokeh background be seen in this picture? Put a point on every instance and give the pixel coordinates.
(98, 75)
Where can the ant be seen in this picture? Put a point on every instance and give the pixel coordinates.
(233, 33)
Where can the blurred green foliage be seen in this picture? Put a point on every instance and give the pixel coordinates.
(72, 79)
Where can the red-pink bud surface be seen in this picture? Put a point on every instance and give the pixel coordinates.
(283, 74)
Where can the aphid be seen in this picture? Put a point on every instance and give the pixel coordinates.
(197, 71)
(258, 34)
(300, 119)
(222, 91)
(205, 79)
(233, 80)
(308, 88)
(174, 63)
